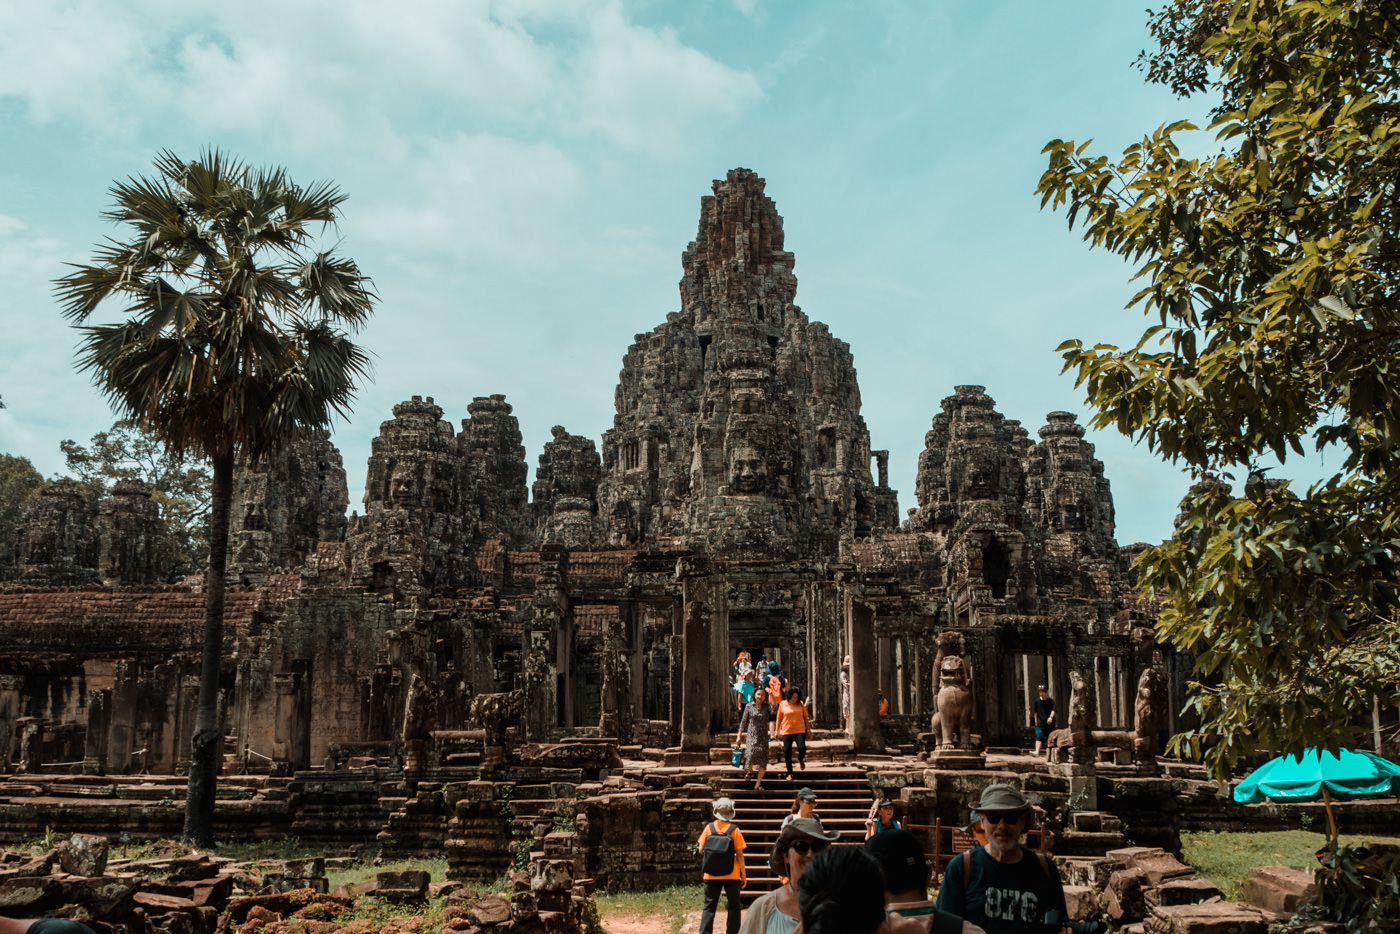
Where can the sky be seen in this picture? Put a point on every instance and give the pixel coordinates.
(524, 175)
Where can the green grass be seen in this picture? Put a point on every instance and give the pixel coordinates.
(666, 905)
(1226, 858)
(363, 871)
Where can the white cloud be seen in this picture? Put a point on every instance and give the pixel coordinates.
(478, 195)
(317, 73)
(644, 89)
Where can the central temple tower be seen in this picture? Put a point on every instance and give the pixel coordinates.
(738, 426)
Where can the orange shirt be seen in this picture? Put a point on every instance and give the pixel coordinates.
(721, 826)
(792, 718)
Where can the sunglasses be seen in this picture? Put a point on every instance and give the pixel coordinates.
(808, 846)
(1003, 817)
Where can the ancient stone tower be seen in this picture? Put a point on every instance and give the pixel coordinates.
(738, 422)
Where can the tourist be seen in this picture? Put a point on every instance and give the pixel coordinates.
(777, 911)
(794, 726)
(745, 690)
(741, 671)
(841, 892)
(715, 879)
(846, 693)
(753, 734)
(43, 926)
(1044, 720)
(804, 805)
(1000, 885)
(775, 684)
(901, 859)
(881, 818)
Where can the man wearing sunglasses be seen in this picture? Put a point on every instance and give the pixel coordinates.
(999, 885)
(777, 911)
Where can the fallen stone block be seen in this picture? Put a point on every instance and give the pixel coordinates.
(1080, 902)
(1158, 869)
(1190, 891)
(84, 854)
(1207, 918)
(411, 885)
(492, 909)
(1123, 896)
(1279, 889)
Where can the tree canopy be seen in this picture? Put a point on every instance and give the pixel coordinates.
(233, 340)
(180, 488)
(19, 484)
(1269, 272)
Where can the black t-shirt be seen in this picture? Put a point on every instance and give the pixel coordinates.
(1043, 710)
(1004, 898)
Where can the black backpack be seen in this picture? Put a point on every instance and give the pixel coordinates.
(717, 855)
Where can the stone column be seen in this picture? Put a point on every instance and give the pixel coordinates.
(697, 669)
(675, 686)
(866, 736)
(99, 719)
(825, 648)
(123, 720)
(616, 705)
(720, 656)
(1103, 691)
(9, 712)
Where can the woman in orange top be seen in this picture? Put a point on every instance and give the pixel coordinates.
(794, 725)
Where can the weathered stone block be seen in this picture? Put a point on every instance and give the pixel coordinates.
(1279, 889)
(1208, 918)
(84, 855)
(492, 909)
(1182, 892)
(1123, 896)
(410, 885)
(551, 875)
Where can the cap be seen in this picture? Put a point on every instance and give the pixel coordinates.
(806, 794)
(884, 803)
(1041, 687)
(901, 856)
(724, 808)
(1001, 797)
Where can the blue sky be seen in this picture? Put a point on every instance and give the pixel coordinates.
(524, 175)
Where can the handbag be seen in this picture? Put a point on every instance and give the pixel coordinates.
(736, 756)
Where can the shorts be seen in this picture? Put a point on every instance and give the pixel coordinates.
(1041, 732)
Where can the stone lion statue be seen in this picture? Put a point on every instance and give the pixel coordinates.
(1149, 716)
(494, 713)
(952, 721)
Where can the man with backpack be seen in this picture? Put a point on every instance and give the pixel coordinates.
(722, 866)
(1000, 885)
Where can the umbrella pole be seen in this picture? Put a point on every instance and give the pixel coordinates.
(1327, 803)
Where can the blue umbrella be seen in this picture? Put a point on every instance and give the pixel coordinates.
(1348, 772)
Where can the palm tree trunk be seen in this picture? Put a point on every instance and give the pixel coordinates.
(199, 798)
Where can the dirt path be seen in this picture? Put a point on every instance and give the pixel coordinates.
(619, 922)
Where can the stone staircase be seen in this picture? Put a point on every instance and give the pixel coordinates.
(843, 801)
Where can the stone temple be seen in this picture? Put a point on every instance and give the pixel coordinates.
(734, 503)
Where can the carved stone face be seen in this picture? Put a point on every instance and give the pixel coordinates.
(402, 485)
(953, 671)
(748, 472)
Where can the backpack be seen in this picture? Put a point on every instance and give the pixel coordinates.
(717, 855)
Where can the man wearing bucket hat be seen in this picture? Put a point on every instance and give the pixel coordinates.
(717, 877)
(999, 885)
(778, 911)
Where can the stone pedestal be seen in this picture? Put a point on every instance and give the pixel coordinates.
(958, 759)
(1083, 786)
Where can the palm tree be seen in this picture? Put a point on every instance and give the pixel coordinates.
(234, 340)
